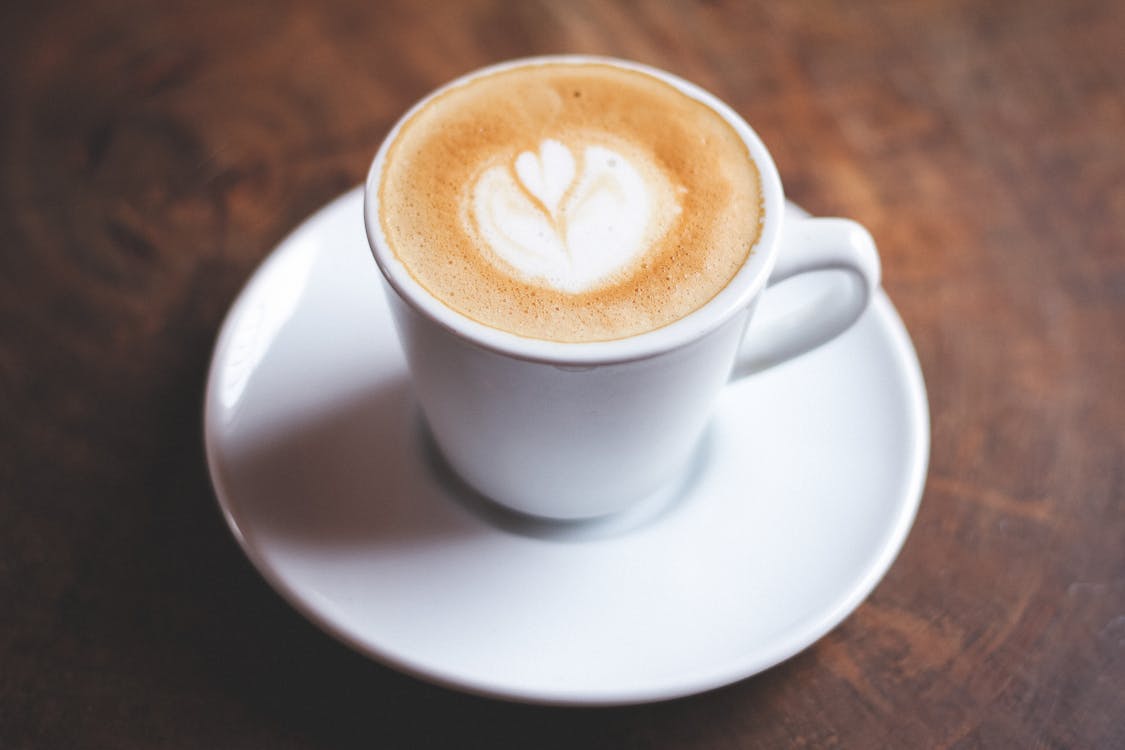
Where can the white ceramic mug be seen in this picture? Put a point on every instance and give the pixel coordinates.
(581, 430)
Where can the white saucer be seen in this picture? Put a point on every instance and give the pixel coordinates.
(801, 497)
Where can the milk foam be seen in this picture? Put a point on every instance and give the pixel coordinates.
(570, 222)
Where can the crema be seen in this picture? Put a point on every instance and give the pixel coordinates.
(572, 202)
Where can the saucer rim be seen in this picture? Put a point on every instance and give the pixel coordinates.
(910, 372)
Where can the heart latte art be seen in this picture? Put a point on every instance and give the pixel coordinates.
(570, 221)
(568, 201)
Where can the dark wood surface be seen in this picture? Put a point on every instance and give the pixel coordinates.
(152, 155)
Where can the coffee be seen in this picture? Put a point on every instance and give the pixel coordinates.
(570, 201)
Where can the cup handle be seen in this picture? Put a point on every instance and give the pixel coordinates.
(810, 246)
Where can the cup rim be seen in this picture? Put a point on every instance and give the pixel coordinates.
(736, 296)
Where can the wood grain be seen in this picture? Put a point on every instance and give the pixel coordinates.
(154, 153)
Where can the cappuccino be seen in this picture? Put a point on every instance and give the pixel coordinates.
(569, 201)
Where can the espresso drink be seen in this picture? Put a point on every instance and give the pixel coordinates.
(570, 201)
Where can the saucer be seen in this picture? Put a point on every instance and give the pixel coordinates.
(801, 495)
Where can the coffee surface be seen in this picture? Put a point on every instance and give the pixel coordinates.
(571, 202)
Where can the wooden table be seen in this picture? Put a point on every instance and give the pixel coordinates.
(152, 156)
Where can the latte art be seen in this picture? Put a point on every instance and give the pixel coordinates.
(571, 223)
(569, 201)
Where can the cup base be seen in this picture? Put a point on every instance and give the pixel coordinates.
(634, 516)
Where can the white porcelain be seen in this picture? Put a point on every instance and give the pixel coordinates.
(797, 501)
(583, 430)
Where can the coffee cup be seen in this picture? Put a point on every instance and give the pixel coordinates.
(574, 247)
